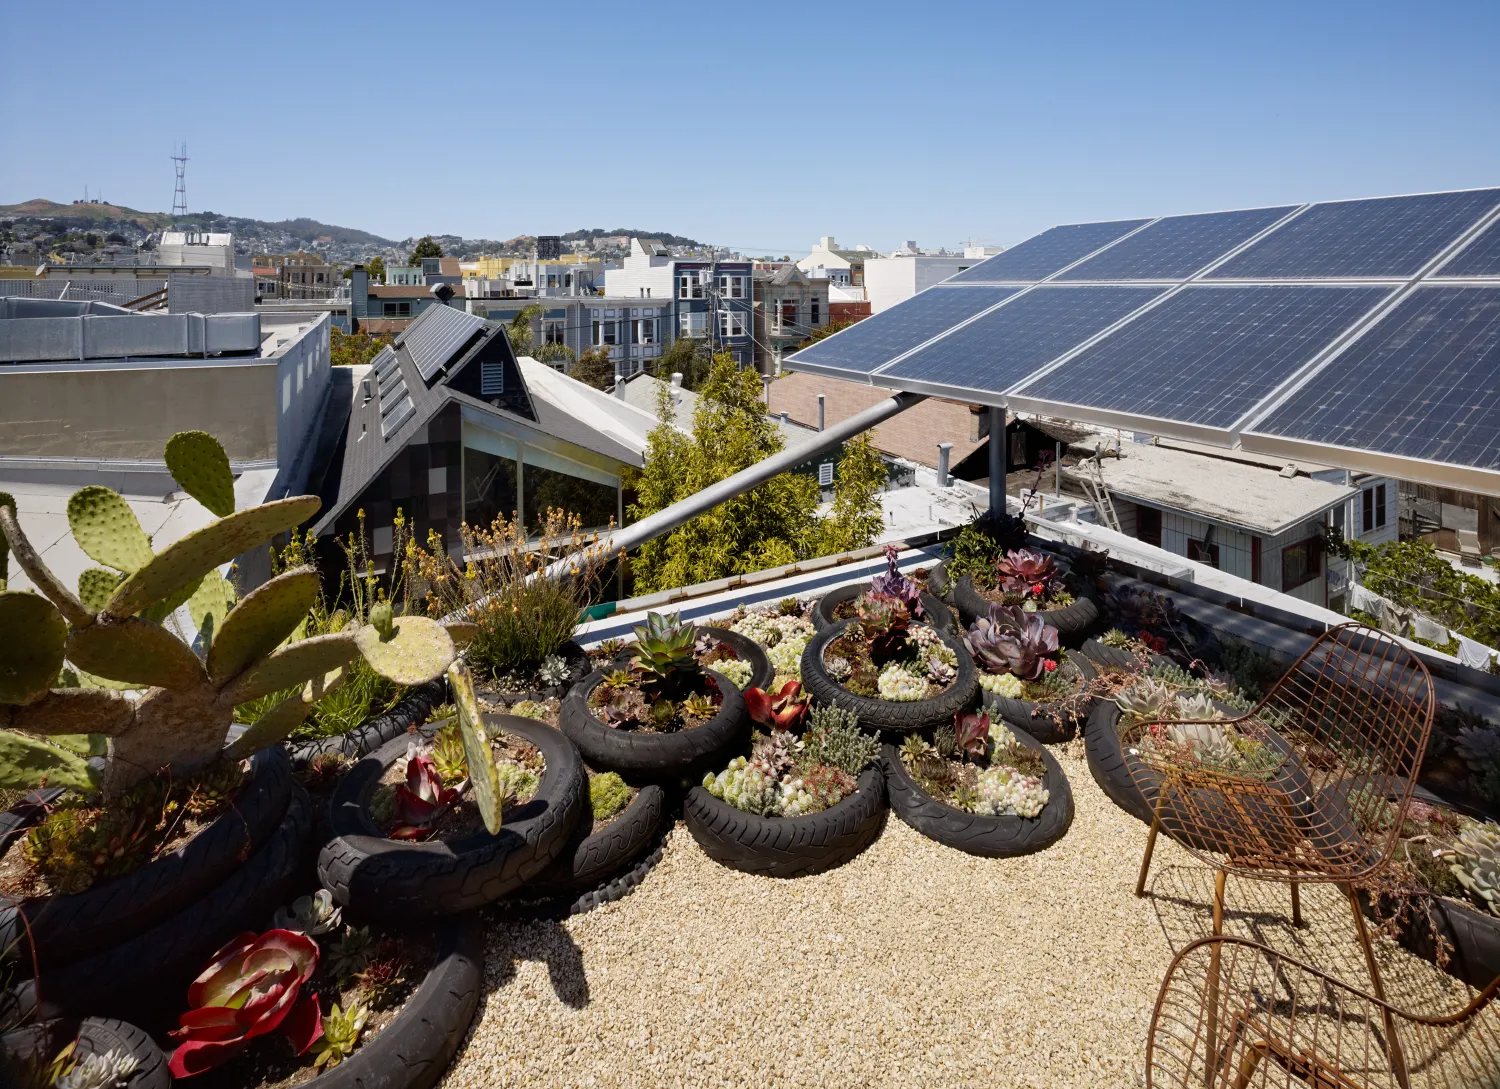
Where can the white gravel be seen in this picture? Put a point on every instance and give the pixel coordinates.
(913, 965)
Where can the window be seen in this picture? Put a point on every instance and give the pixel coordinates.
(320, 278)
(825, 474)
(731, 323)
(491, 379)
(1148, 525)
(396, 309)
(489, 487)
(1203, 552)
(596, 339)
(1301, 563)
(553, 331)
(692, 324)
(814, 307)
(611, 332)
(788, 315)
(645, 331)
(595, 504)
(732, 287)
(690, 285)
(1373, 500)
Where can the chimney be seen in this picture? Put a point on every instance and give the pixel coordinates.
(359, 292)
(943, 480)
(820, 411)
(619, 382)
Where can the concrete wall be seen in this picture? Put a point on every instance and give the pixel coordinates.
(303, 373)
(892, 280)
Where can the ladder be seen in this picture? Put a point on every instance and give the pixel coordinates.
(1093, 484)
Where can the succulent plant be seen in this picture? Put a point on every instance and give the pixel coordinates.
(251, 987)
(348, 955)
(341, 1029)
(884, 622)
(1002, 684)
(623, 707)
(925, 762)
(945, 741)
(891, 583)
(553, 671)
(1210, 742)
(785, 710)
(1010, 640)
(619, 678)
(1198, 707)
(515, 782)
(773, 751)
(105, 1070)
(1478, 863)
(900, 685)
(736, 670)
(971, 734)
(1004, 790)
(838, 667)
(664, 664)
(748, 785)
(608, 794)
(1139, 608)
(827, 785)
(1146, 701)
(1025, 572)
(310, 915)
(833, 737)
(422, 800)
(699, 705)
(447, 754)
(786, 655)
(77, 844)
(112, 634)
(381, 977)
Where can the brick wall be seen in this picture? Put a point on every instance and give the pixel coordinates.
(913, 434)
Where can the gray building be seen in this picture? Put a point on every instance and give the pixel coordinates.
(789, 306)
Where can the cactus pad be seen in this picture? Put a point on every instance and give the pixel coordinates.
(200, 552)
(274, 726)
(96, 585)
(258, 624)
(462, 632)
(134, 651)
(418, 650)
(33, 635)
(198, 463)
(484, 776)
(293, 664)
(75, 711)
(26, 762)
(210, 603)
(107, 529)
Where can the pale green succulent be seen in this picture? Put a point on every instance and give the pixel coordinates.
(112, 633)
(1478, 865)
(103, 1071)
(310, 915)
(1198, 708)
(1146, 701)
(341, 1029)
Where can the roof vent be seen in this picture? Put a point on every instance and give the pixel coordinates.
(365, 388)
(676, 379)
(1288, 470)
(442, 292)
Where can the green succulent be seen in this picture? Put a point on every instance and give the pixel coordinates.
(618, 679)
(665, 665)
(1478, 864)
(447, 752)
(1147, 701)
(698, 706)
(608, 794)
(833, 737)
(348, 956)
(112, 631)
(341, 1029)
(529, 709)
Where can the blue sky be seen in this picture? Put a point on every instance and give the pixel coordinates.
(754, 126)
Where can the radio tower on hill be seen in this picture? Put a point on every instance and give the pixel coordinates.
(179, 198)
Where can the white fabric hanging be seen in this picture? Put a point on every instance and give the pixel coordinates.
(1472, 654)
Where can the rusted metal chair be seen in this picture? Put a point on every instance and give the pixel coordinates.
(1297, 789)
(1233, 1014)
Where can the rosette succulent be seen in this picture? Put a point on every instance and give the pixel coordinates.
(784, 710)
(1025, 572)
(553, 671)
(310, 915)
(107, 1070)
(737, 670)
(423, 798)
(745, 784)
(1002, 684)
(899, 684)
(665, 664)
(891, 583)
(341, 1029)
(1003, 789)
(884, 622)
(253, 986)
(1478, 863)
(971, 734)
(1010, 640)
(1146, 701)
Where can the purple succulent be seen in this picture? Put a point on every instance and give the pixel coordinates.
(884, 621)
(1011, 640)
(892, 583)
(1026, 572)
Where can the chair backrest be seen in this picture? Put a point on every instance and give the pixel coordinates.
(1235, 1013)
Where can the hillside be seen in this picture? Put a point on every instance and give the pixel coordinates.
(39, 207)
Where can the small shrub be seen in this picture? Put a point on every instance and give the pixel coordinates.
(608, 794)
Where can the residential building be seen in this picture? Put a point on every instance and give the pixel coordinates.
(390, 308)
(697, 297)
(299, 275)
(447, 426)
(838, 266)
(789, 306)
(197, 248)
(908, 271)
(403, 276)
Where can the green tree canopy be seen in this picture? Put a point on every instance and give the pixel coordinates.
(688, 356)
(773, 524)
(425, 247)
(376, 269)
(594, 368)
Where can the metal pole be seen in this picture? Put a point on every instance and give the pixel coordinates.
(997, 460)
(1057, 470)
(684, 510)
(944, 448)
(820, 411)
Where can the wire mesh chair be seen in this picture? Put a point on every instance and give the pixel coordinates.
(1301, 788)
(1234, 1014)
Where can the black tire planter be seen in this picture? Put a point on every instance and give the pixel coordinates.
(147, 976)
(890, 716)
(974, 833)
(411, 711)
(591, 859)
(1034, 718)
(1107, 657)
(789, 846)
(95, 1036)
(1074, 623)
(414, 1050)
(579, 666)
(655, 757)
(69, 928)
(394, 879)
(762, 673)
(938, 615)
(27, 812)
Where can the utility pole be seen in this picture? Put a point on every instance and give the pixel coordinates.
(179, 197)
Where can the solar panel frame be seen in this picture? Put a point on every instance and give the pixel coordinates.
(1048, 253)
(437, 335)
(1176, 247)
(404, 408)
(1391, 238)
(1212, 352)
(868, 345)
(1056, 318)
(1394, 409)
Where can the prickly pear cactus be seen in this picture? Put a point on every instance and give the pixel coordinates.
(484, 776)
(112, 630)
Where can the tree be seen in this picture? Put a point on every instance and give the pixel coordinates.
(856, 519)
(353, 349)
(376, 269)
(519, 328)
(826, 331)
(689, 357)
(425, 247)
(594, 368)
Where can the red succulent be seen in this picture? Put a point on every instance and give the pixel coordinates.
(1024, 571)
(252, 987)
(1049, 664)
(423, 798)
(971, 733)
(783, 711)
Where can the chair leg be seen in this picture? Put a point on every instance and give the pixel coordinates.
(1140, 882)
(1220, 877)
(1377, 988)
(1296, 905)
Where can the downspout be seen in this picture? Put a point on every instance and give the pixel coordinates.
(685, 510)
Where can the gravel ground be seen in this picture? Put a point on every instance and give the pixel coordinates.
(914, 965)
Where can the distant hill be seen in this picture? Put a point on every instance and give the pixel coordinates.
(314, 231)
(153, 221)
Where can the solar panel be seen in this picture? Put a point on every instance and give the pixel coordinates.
(1384, 237)
(391, 396)
(1423, 383)
(437, 335)
(1041, 256)
(384, 361)
(877, 340)
(1176, 248)
(399, 415)
(1480, 258)
(1207, 354)
(1005, 346)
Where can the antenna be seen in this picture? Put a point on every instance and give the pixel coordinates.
(179, 197)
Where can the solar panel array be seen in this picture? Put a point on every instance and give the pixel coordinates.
(396, 405)
(436, 337)
(1345, 324)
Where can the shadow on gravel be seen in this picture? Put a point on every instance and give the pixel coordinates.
(508, 941)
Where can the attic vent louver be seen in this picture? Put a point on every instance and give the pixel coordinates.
(491, 379)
